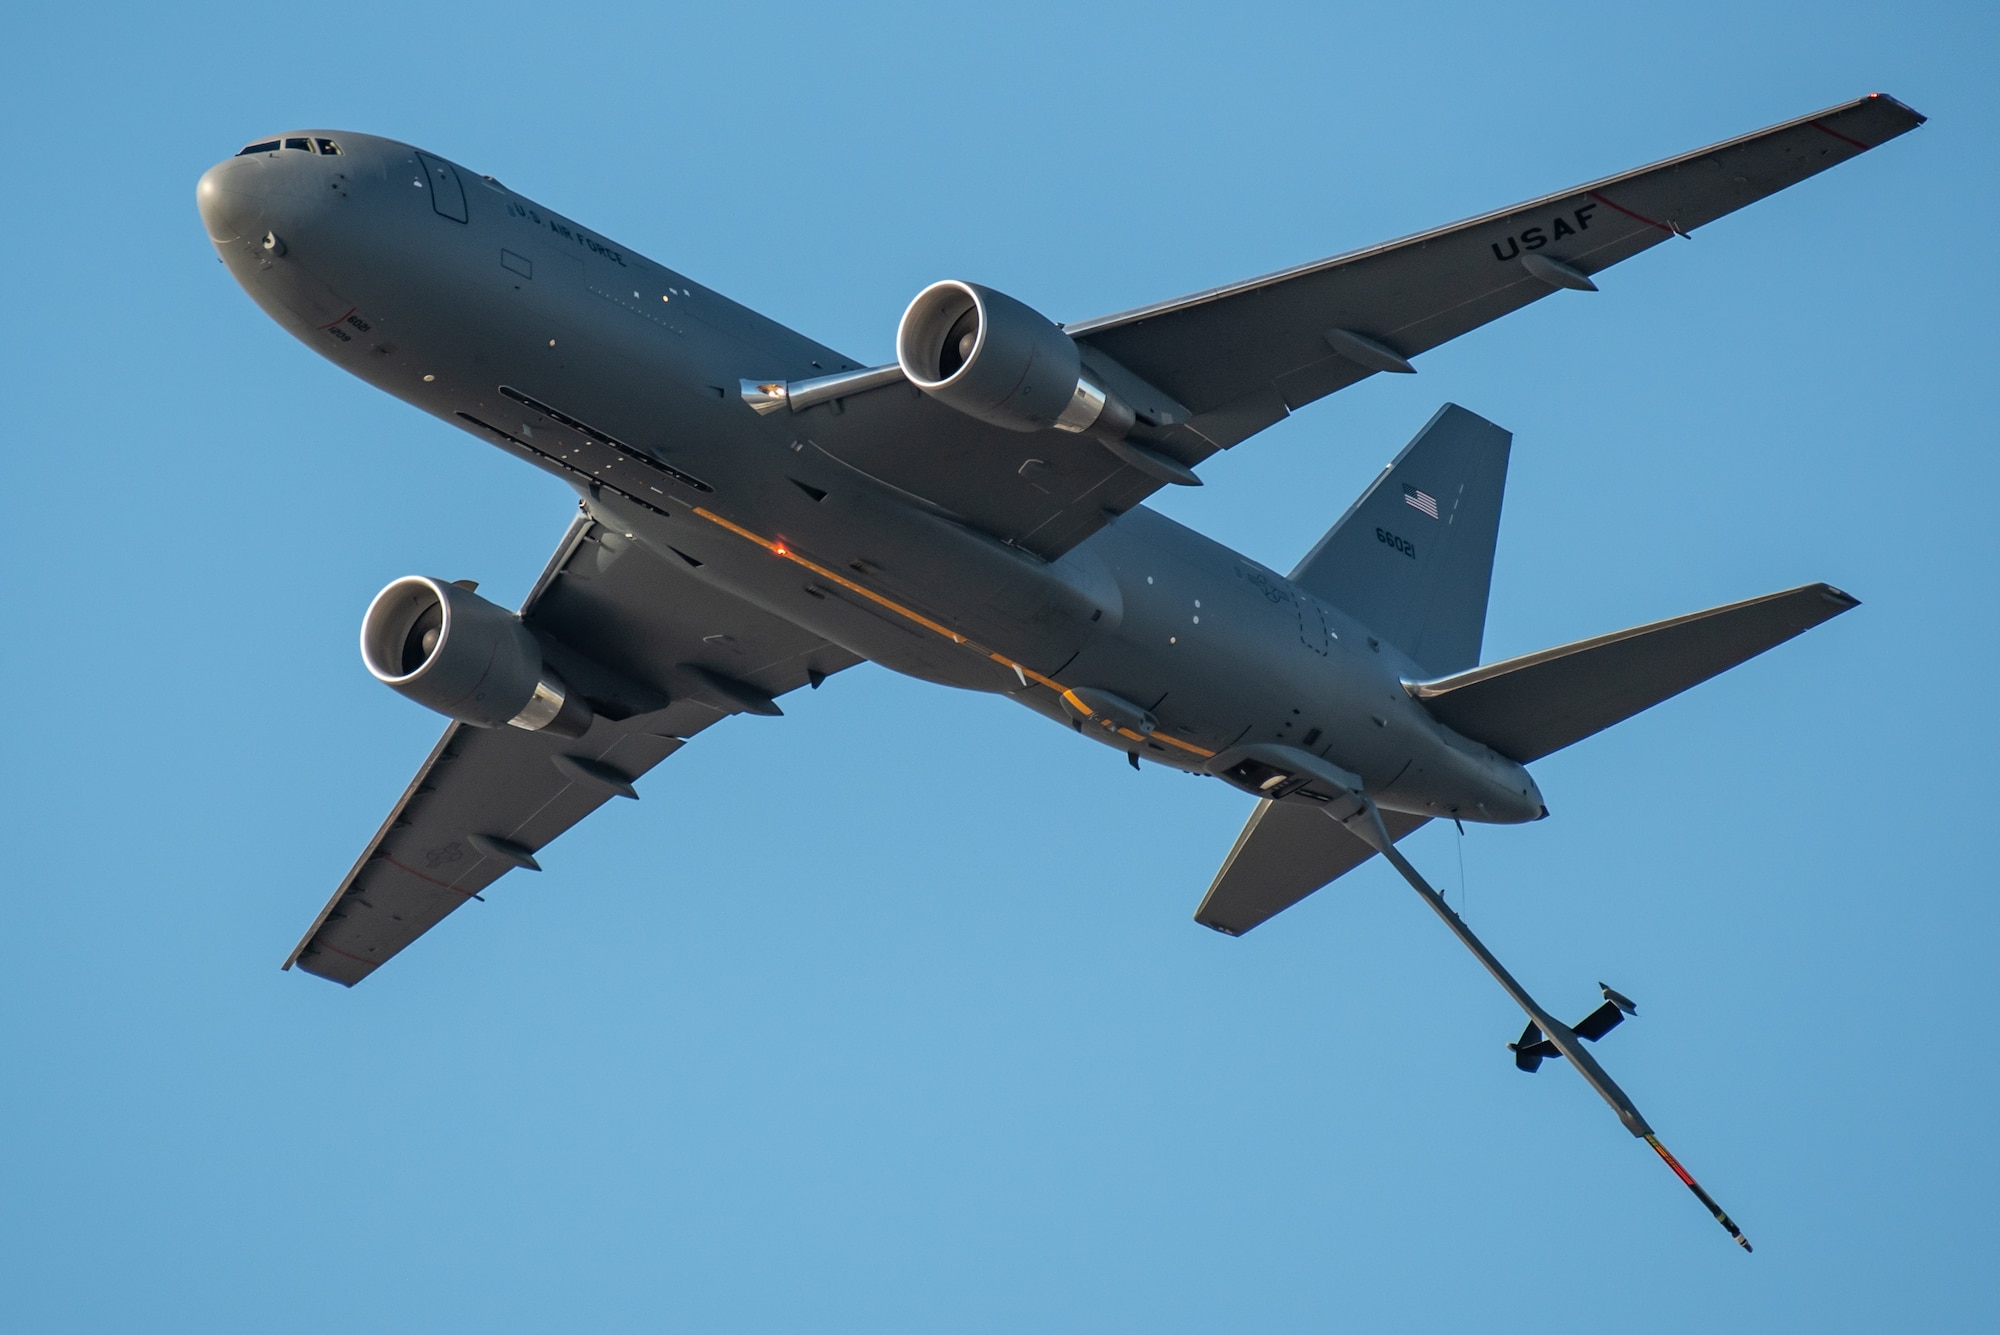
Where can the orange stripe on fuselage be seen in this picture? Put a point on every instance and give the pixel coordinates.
(777, 548)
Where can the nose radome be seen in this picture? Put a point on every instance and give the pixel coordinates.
(231, 205)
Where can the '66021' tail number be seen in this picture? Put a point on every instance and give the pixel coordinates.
(1403, 545)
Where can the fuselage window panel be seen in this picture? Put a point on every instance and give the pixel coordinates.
(268, 146)
(328, 147)
(304, 144)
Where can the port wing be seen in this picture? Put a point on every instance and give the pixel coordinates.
(487, 800)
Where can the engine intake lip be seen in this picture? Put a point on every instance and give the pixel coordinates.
(389, 622)
(921, 334)
(443, 646)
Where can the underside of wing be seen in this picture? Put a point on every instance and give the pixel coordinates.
(1242, 356)
(487, 800)
(1043, 492)
(482, 802)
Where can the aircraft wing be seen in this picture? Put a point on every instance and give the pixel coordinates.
(1241, 357)
(487, 799)
(1221, 365)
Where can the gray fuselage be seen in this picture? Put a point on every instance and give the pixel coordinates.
(620, 376)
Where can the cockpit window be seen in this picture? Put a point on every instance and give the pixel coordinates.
(326, 146)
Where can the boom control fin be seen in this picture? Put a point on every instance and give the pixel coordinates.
(1533, 1049)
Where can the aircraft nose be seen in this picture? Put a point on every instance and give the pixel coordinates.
(230, 200)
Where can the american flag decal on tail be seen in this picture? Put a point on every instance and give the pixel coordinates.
(1420, 500)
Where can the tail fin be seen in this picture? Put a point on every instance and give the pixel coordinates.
(1527, 707)
(1413, 558)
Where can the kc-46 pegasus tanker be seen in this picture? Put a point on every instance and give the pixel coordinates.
(758, 512)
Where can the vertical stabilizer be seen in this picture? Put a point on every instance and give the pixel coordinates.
(1413, 558)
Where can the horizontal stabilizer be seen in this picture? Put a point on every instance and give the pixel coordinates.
(1526, 708)
(1287, 850)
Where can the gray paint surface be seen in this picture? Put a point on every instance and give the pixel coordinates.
(724, 556)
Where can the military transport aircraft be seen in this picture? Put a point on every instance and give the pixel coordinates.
(758, 512)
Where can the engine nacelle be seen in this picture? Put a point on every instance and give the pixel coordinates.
(993, 358)
(448, 649)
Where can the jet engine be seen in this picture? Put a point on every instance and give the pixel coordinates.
(448, 649)
(993, 358)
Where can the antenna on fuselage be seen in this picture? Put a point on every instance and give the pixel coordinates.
(1545, 1036)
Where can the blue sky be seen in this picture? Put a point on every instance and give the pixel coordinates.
(889, 1016)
